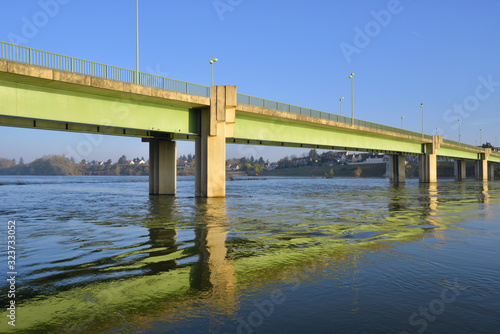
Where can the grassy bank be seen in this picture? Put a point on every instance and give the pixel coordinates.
(361, 170)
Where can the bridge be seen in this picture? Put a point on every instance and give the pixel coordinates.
(43, 90)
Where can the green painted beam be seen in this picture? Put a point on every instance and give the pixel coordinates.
(35, 102)
(457, 153)
(295, 133)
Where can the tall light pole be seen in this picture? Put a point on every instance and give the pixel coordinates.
(352, 97)
(212, 63)
(459, 133)
(480, 137)
(422, 106)
(137, 42)
(402, 118)
(341, 105)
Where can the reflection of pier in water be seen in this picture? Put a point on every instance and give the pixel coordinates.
(212, 272)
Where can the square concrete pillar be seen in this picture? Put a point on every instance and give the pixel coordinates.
(397, 168)
(217, 124)
(428, 160)
(491, 171)
(427, 170)
(210, 153)
(482, 170)
(460, 170)
(162, 167)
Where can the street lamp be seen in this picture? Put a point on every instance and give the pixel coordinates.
(402, 118)
(480, 137)
(212, 63)
(459, 133)
(341, 105)
(137, 42)
(422, 106)
(352, 97)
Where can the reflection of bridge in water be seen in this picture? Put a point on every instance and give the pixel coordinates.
(179, 273)
(48, 91)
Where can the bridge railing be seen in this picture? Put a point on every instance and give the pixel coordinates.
(278, 106)
(461, 144)
(58, 62)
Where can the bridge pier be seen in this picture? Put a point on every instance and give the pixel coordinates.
(460, 170)
(397, 168)
(217, 124)
(482, 171)
(162, 167)
(428, 160)
(491, 171)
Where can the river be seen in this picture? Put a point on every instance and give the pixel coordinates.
(277, 255)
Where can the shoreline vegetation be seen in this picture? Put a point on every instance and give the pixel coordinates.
(59, 165)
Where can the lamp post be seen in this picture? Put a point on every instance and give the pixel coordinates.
(137, 82)
(480, 137)
(422, 106)
(402, 118)
(341, 105)
(352, 97)
(459, 133)
(212, 63)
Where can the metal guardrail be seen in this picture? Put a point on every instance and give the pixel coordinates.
(461, 144)
(54, 61)
(278, 106)
(58, 62)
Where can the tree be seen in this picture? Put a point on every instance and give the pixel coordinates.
(21, 161)
(313, 155)
(258, 168)
(123, 160)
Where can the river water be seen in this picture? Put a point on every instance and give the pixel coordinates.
(277, 255)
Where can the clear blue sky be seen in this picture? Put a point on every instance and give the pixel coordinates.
(445, 54)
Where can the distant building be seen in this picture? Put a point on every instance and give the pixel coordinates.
(375, 158)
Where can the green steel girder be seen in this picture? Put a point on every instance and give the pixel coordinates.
(24, 101)
(294, 133)
(457, 153)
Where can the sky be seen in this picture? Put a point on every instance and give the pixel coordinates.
(444, 54)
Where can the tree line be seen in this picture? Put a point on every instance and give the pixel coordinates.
(62, 165)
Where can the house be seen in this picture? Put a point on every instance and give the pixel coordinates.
(375, 158)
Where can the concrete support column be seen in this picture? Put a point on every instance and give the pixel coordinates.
(460, 170)
(491, 172)
(397, 168)
(428, 160)
(217, 124)
(482, 170)
(482, 166)
(162, 167)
